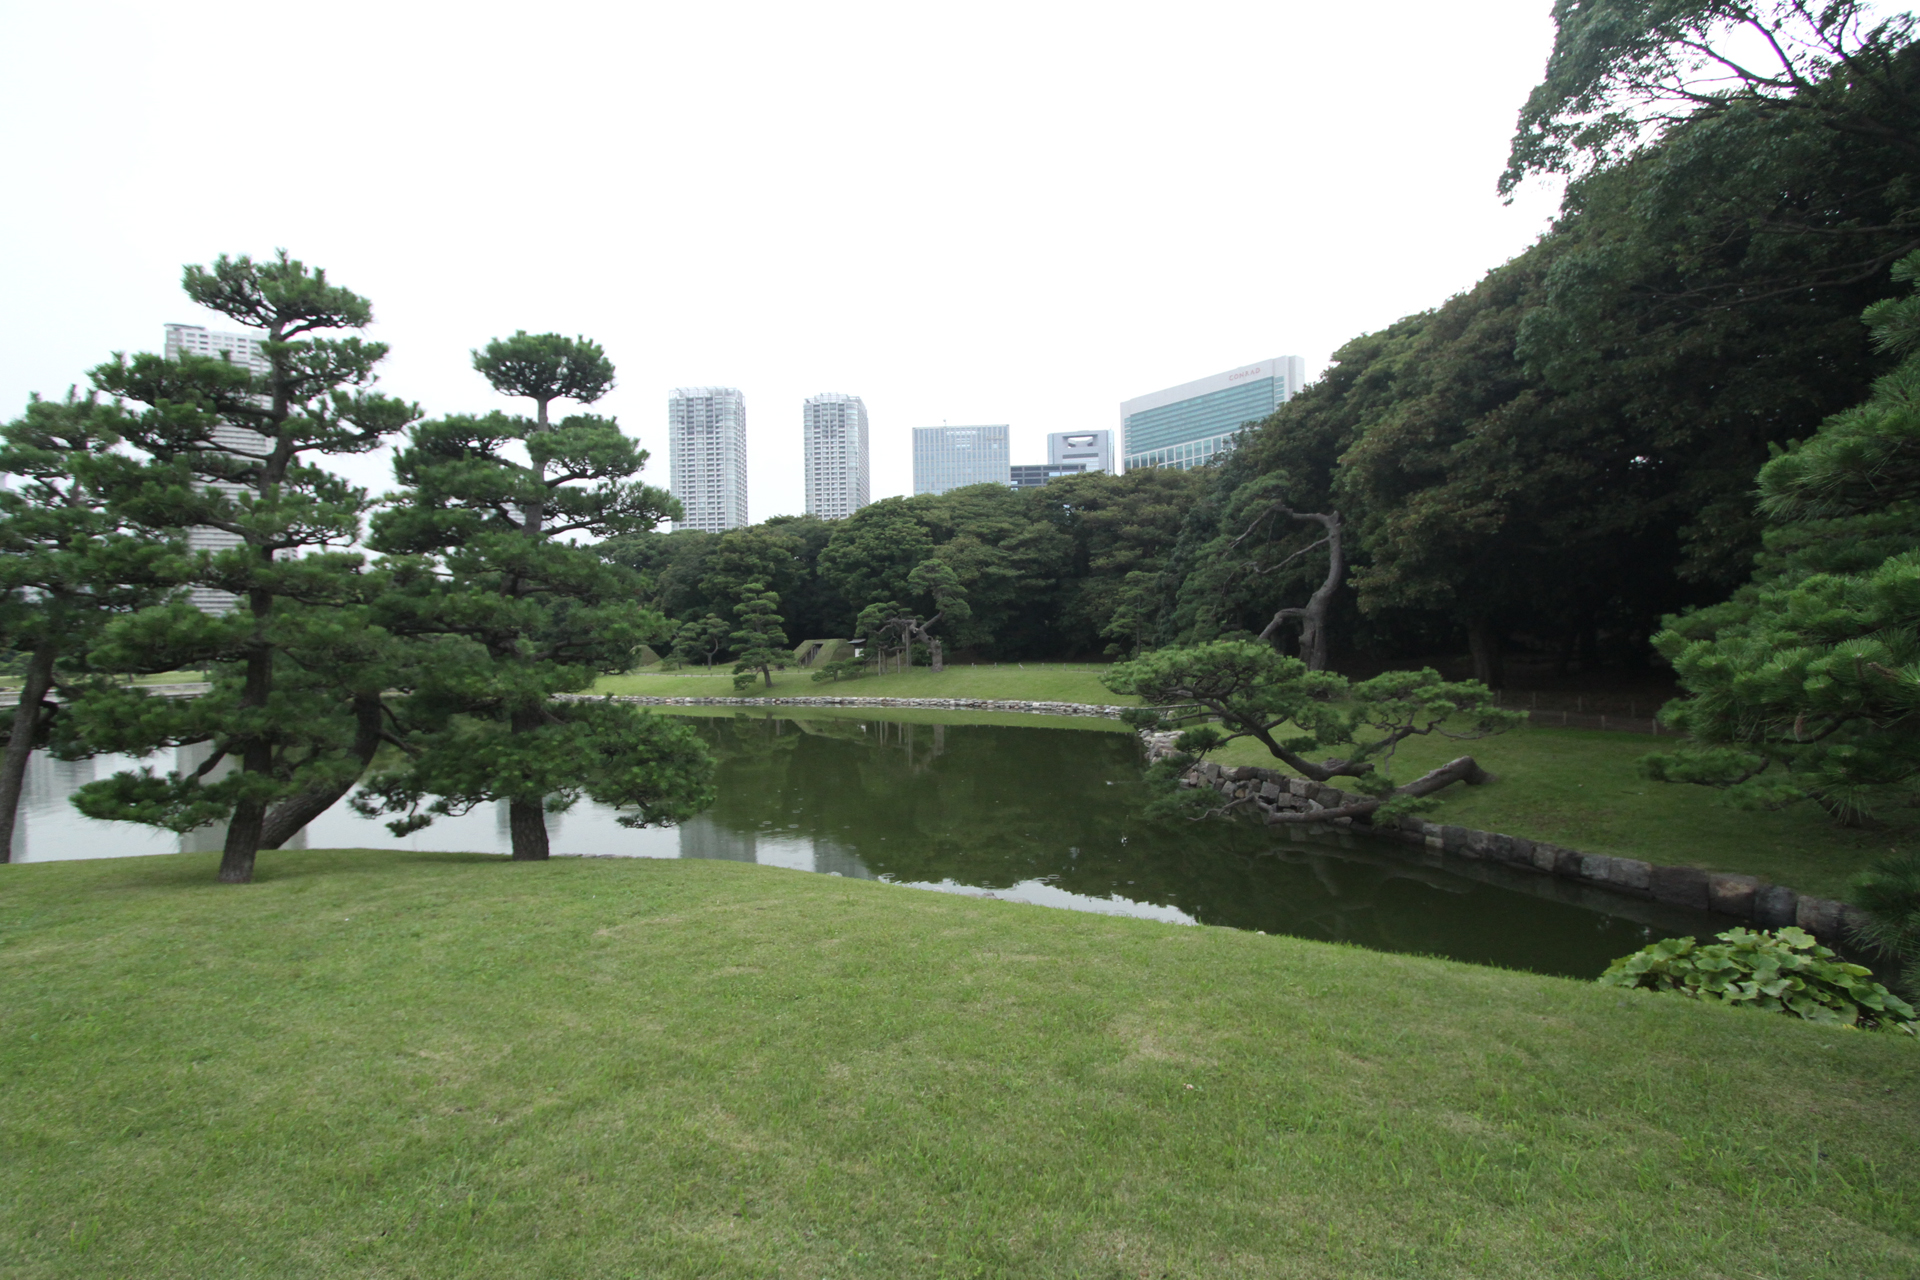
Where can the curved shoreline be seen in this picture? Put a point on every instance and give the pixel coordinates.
(926, 704)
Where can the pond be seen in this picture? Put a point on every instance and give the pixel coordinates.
(1044, 814)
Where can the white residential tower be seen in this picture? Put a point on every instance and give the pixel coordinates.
(242, 349)
(708, 456)
(834, 428)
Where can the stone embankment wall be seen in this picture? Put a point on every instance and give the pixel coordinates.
(1268, 794)
(932, 704)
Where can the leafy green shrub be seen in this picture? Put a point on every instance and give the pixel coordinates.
(1889, 892)
(846, 669)
(1786, 972)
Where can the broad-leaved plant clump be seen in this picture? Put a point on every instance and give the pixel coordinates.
(1785, 972)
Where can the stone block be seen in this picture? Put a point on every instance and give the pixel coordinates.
(1732, 895)
(1515, 851)
(1269, 790)
(1479, 844)
(1453, 839)
(1682, 886)
(1298, 786)
(1775, 906)
(1819, 917)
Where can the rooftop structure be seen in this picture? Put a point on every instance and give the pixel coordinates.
(1093, 450)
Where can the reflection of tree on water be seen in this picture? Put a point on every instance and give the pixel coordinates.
(994, 807)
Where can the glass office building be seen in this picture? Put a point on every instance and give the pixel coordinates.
(952, 457)
(1191, 424)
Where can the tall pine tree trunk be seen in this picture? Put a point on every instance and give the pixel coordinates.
(26, 719)
(527, 824)
(1483, 638)
(527, 815)
(256, 757)
(249, 816)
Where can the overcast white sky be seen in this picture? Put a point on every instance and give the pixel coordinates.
(1019, 213)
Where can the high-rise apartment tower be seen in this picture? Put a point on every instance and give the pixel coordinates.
(242, 349)
(1189, 425)
(949, 457)
(834, 432)
(708, 456)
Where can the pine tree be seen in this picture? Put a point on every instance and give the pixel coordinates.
(1806, 685)
(64, 566)
(478, 545)
(759, 644)
(239, 454)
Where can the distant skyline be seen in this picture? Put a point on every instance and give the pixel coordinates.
(1018, 213)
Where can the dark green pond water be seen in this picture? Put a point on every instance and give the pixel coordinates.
(1041, 814)
(1053, 816)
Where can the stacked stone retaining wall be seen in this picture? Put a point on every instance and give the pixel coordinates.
(1275, 798)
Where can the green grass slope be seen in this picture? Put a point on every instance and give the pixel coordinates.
(423, 1066)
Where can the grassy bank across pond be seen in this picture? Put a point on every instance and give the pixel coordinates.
(1583, 788)
(1030, 681)
(451, 1065)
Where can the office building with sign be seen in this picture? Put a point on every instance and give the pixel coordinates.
(953, 457)
(1193, 423)
(707, 429)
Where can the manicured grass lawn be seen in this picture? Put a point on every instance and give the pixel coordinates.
(1582, 788)
(1032, 681)
(381, 1064)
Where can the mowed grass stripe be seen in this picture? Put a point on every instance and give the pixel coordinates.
(393, 1064)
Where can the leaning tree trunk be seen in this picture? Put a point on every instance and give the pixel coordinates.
(1314, 632)
(249, 817)
(26, 722)
(527, 815)
(292, 814)
(1460, 769)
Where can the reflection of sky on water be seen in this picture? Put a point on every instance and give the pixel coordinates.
(50, 829)
(1042, 894)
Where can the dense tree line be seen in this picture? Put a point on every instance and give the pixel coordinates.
(1556, 459)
